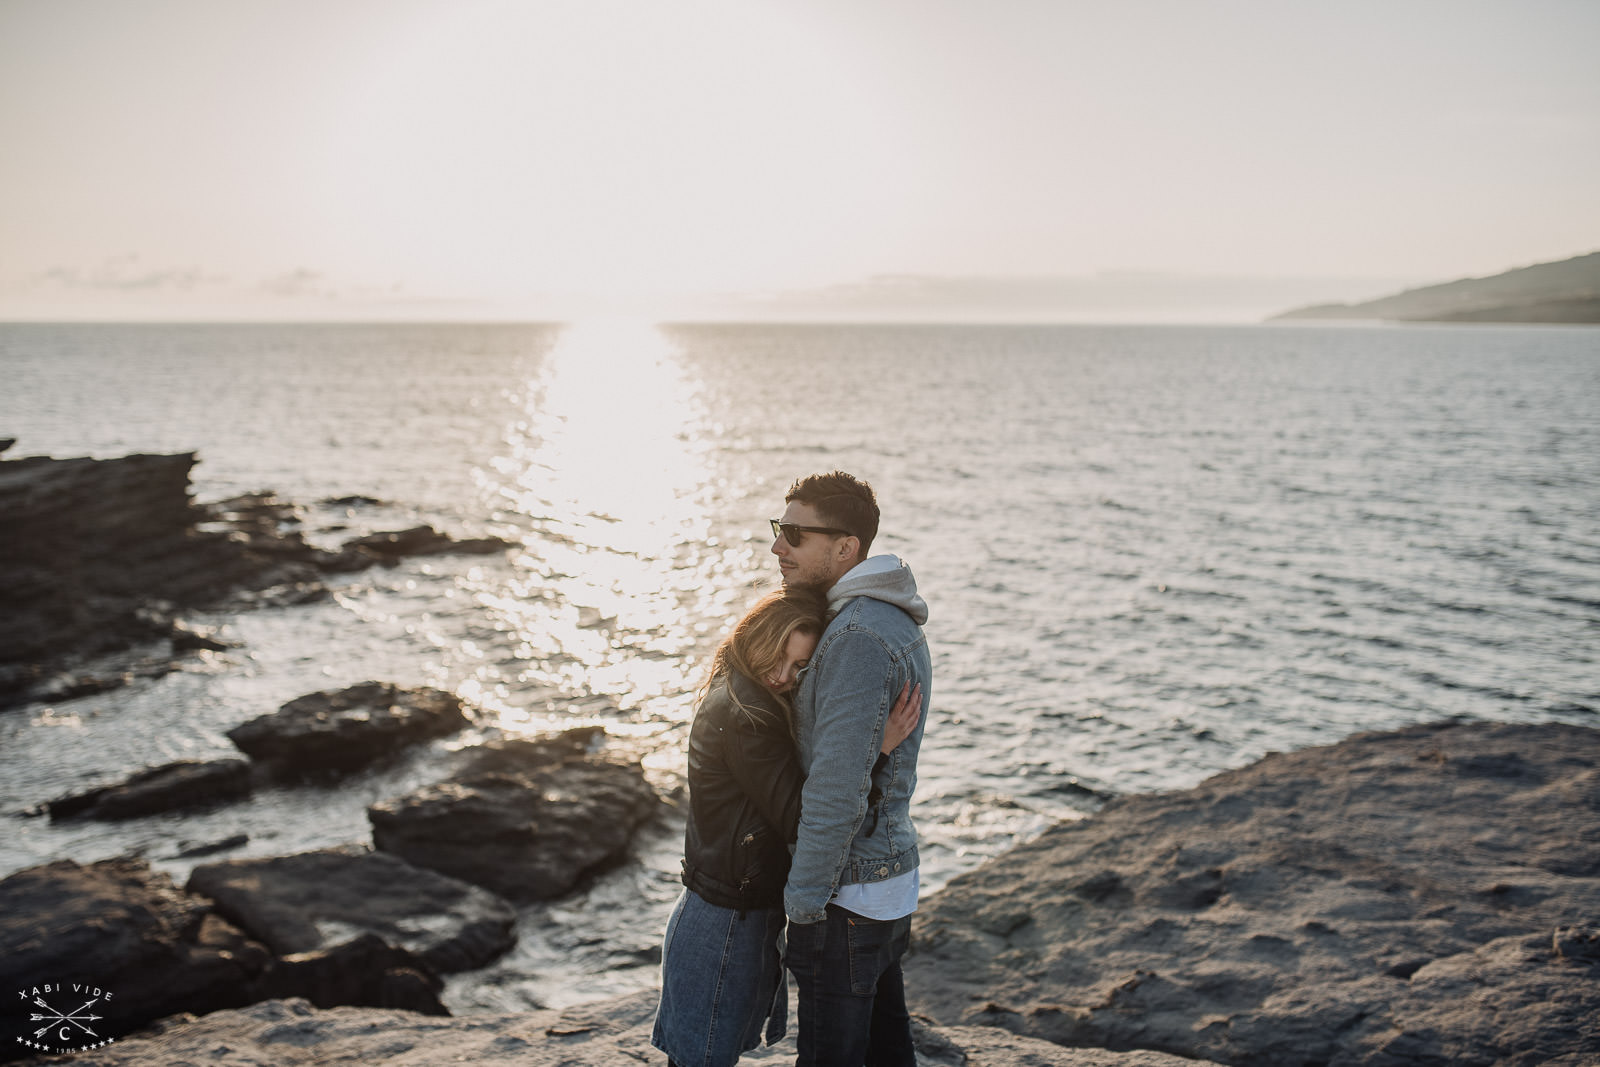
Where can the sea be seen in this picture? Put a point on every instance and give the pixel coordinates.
(1151, 554)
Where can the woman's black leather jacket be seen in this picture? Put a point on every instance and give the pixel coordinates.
(744, 796)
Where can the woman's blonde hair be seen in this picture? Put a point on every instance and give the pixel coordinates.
(759, 641)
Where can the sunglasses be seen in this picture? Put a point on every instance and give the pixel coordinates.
(795, 534)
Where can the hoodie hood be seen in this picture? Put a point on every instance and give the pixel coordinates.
(885, 578)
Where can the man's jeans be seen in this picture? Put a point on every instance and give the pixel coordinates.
(852, 997)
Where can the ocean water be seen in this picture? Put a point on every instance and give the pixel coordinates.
(1150, 553)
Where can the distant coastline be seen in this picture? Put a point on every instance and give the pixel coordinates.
(1567, 291)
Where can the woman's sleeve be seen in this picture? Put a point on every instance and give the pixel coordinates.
(767, 769)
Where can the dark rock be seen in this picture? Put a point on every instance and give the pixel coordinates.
(362, 971)
(293, 590)
(347, 560)
(68, 686)
(348, 728)
(310, 901)
(390, 547)
(211, 848)
(518, 821)
(88, 545)
(1387, 900)
(477, 546)
(187, 638)
(515, 757)
(124, 934)
(262, 522)
(1072, 787)
(170, 787)
(398, 543)
(127, 930)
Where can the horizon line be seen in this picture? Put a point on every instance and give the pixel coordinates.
(651, 321)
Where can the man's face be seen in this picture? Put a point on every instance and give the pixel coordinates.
(819, 559)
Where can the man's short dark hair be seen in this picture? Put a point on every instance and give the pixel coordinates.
(841, 500)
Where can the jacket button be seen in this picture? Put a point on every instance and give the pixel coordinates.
(897, 868)
(882, 871)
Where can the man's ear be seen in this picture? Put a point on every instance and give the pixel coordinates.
(849, 547)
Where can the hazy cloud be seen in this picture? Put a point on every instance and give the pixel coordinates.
(299, 283)
(303, 283)
(127, 273)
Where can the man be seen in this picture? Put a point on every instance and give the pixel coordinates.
(853, 882)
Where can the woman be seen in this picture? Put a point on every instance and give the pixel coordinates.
(721, 977)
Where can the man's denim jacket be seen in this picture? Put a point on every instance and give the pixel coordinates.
(871, 648)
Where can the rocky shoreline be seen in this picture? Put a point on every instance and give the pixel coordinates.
(365, 925)
(1424, 896)
(101, 558)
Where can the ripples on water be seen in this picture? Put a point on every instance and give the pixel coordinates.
(1150, 553)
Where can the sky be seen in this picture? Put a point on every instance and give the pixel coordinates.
(940, 160)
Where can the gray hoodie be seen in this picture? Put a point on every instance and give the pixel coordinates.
(885, 578)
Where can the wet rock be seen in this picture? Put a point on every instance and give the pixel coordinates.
(189, 638)
(84, 543)
(351, 502)
(1423, 896)
(347, 729)
(126, 930)
(528, 821)
(390, 547)
(515, 757)
(183, 785)
(314, 900)
(190, 850)
(285, 594)
(124, 934)
(363, 971)
(108, 675)
(347, 560)
(89, 545)
(261, 523)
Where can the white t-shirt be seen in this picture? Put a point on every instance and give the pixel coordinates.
(891, 898)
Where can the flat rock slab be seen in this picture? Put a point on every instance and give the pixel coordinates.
(347, 729)
(1424, 896)
(290, 1033)
(391, 546)
(313, 900)
(528, 821)
(170, 787)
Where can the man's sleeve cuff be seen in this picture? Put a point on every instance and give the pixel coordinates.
(803, 914)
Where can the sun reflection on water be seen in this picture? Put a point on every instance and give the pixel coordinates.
(608, 473)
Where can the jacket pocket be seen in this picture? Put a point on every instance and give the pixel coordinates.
(873, 946)
(750, 852)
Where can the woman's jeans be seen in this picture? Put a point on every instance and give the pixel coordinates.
(721, 983)
(852, 996)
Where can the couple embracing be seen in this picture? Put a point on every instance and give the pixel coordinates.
(800, 852)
